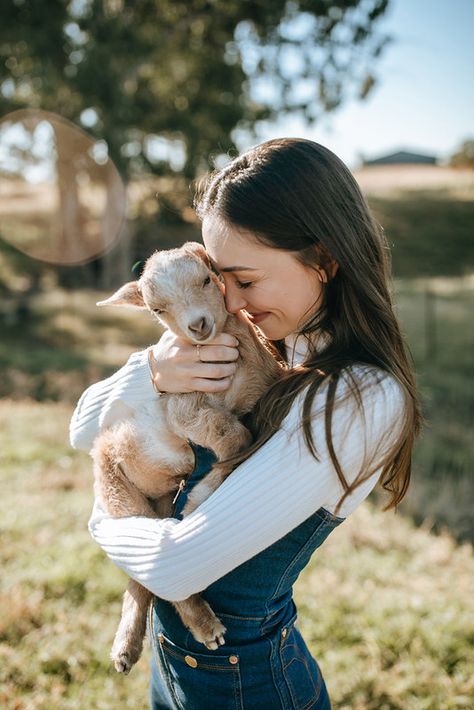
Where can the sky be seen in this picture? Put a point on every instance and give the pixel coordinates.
(424, 99)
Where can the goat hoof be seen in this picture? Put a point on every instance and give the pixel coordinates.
(218, 641)
(213, 636)
(123, 663)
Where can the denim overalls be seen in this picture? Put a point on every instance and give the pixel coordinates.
(265, 663)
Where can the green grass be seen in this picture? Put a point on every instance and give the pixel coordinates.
(377, 603)
(66, 342)
(429, 232)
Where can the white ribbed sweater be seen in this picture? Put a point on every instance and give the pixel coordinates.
(264, 498)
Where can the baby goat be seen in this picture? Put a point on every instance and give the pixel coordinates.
(139, 462)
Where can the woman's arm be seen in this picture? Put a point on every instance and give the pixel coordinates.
(268, 495)
(178, 370)
(111, 400)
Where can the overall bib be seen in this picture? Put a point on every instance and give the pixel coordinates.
(265, 663)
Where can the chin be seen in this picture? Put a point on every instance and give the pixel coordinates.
(272, 333)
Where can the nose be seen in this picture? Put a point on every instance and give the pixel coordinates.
(234, 300)
(200, 328)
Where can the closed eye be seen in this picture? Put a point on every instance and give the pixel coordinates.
(207, 281)
(243, 284)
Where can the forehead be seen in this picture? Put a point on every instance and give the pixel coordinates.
(228, 246)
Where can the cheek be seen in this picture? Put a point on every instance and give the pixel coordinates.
(301, 295)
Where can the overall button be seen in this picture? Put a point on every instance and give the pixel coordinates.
(283, 633)
(233, 660)
(191, 661)
(161, 638)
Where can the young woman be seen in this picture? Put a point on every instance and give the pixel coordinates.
(287, 228)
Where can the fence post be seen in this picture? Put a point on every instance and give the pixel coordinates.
(430, 325)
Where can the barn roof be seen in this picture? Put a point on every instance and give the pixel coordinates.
(403, 157)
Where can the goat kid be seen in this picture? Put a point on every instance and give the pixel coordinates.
(139, 462)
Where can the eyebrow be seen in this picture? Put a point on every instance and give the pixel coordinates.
(228, 269)
(238, 268)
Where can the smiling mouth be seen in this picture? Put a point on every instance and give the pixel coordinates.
(257, 317)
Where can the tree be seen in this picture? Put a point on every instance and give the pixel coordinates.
(166, 82)
(464, 156)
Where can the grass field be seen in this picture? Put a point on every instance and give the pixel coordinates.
(377, 603)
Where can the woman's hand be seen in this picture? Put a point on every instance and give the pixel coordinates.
(182, 367)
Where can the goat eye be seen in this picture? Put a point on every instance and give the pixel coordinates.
(207, 280)
(158, 311)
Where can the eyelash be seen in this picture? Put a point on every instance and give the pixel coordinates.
(240, 284)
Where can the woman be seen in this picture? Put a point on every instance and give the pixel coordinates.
(293, 239)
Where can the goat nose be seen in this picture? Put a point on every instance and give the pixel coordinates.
(200, 328)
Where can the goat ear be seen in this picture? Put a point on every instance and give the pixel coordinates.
(198, 250)
(127, 295)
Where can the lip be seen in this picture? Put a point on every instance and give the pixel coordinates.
(257, 317)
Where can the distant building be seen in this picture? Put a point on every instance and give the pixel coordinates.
(403, 157)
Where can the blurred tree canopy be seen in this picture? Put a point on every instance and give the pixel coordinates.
(168, 84)
(170, 88)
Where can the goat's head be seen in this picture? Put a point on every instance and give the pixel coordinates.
(180, 289)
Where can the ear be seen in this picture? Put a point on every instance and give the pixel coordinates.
(127, 295)
(327, 265)
(198, 250)
(328, 272)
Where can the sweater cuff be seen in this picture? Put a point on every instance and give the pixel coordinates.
(136, 386)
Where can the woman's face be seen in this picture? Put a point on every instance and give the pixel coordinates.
(277, 292)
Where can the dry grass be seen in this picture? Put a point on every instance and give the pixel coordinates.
(396, 180)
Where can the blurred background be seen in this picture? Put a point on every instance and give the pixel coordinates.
(110, 110)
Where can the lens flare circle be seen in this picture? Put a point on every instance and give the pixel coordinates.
(62, 199)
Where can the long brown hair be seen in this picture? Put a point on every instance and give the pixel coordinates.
(296, 195)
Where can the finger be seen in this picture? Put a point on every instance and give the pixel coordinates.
(201, 384)
(215, 371)
(218, 353)
(225, 339)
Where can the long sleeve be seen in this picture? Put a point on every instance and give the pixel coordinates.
(110, 400)
(264, 498)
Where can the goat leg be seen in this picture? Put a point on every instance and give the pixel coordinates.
(204, 488)
(119, 495)
(121, 498)
(128, 642)
(198, 617)
(211, 428)
(225, 435)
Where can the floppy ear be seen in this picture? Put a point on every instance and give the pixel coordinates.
(198, 250)
(127, 295)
